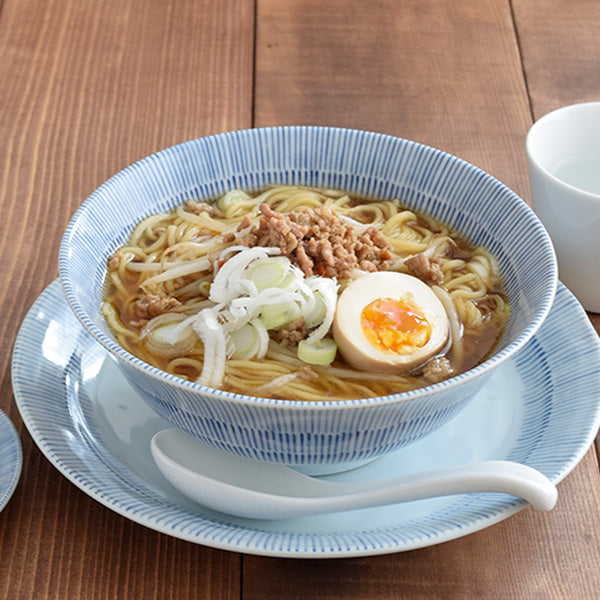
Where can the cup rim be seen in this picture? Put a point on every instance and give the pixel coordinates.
(531, 156)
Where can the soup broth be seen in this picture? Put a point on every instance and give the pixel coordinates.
(240, 292)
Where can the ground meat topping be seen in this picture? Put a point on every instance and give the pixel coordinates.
(458, 250)
(292, 333)
(152, 305)
(426, 268)
(438, 369)
(114, 261)
(203, 207)
(307, 374)
(318, 241)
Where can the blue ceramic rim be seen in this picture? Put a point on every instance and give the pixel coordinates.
(523, 211)
(10, 437)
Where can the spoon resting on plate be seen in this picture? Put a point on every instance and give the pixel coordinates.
(249, 488)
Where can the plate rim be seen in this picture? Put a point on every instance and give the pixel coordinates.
(162, 524)
(9, 438)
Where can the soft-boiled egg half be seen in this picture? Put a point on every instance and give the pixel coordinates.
(389, 321)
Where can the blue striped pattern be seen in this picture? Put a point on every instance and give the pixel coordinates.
(10, 459)
(425, 179)
(55, 363)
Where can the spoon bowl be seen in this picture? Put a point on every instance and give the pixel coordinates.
(258, 490)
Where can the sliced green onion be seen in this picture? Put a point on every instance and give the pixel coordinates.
(269, 273)
(245, 342)
(318, 311)
(321, 352)
(276, 315)
(327, 289)
(249, 341)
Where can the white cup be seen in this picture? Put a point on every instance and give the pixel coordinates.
(563, 153)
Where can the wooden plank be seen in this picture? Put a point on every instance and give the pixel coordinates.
(59, 543)
(443, 73)
(561, 51)
(88, 88)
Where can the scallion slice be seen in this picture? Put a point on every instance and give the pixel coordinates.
(321, 352)
(276, 315)
(268, 273)
(245, 342)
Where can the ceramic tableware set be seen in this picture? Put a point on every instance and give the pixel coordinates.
(127, 434)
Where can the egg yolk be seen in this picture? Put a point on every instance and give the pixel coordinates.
(394, 326)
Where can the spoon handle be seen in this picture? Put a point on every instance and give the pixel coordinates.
(486, 476)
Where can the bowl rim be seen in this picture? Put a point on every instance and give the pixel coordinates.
(401, 397)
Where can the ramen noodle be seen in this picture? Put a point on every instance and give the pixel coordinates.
(291, 293)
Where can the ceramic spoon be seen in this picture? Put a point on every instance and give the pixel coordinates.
(249, 488)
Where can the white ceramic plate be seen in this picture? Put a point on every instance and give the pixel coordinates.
(541, 408)
(11, 459)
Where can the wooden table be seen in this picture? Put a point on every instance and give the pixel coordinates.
(89, 87)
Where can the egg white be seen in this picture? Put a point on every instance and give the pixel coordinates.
(351, 340)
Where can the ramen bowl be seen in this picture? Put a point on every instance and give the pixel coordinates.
(328, 434)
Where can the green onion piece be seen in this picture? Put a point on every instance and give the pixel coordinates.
(245, 341)
(278, 314)
(320, 353)
(268, 273)
(317, 314)
(290, 281)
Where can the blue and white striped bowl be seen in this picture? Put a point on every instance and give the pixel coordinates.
(426, 180)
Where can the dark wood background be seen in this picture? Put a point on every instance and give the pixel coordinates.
(88, 87)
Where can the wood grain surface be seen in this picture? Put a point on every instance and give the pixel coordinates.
(87, 88)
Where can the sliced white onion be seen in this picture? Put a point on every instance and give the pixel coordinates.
(328, 290)
(231, 250)
(254, 292)
(229, 281)
(276, 383)
(456, 326)
(212, 335)
(169, 335)
(360, 227)
(263, 335)
(434, 247)
(318, 312)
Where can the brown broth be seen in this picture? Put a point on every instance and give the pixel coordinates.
(477, 344)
